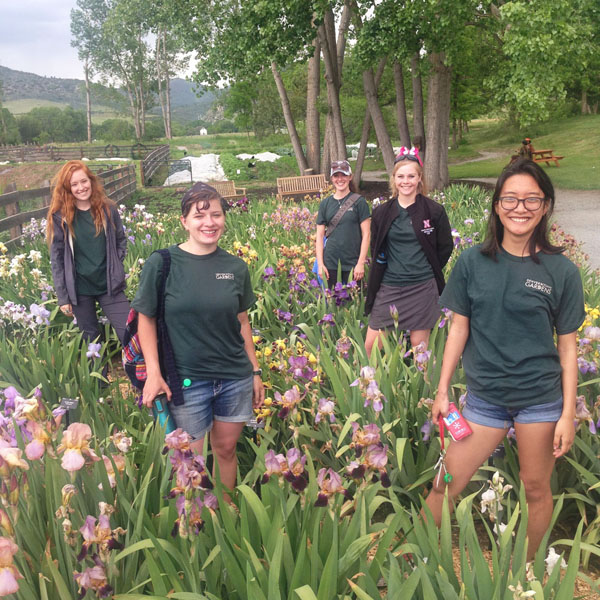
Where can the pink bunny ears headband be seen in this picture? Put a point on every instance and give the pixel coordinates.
(408, 154)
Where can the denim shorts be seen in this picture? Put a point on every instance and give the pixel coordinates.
(481, 412)
(208, 400)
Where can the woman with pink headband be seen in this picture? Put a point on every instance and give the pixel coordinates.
(411, 243)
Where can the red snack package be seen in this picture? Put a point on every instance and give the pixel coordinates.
(456, 424)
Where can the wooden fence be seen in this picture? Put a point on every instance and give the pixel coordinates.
(151, 163)
(49, 152)
(118, 183)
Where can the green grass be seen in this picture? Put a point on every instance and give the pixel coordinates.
(575, 138)
(99, 113)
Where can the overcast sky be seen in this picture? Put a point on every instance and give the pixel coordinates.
(35, 36)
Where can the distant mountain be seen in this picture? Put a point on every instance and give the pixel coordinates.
(18, 85)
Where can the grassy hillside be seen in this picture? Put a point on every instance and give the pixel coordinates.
(575, 138)
(19, 107)
(24, 91)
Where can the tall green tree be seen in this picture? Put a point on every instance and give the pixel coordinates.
(113, 35)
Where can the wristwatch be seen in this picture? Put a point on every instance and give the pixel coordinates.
(257, 372)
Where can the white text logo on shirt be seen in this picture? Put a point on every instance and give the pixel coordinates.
(224, 276)
(538, 285)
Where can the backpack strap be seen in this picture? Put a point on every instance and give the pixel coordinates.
(165, 349)
(348, 203)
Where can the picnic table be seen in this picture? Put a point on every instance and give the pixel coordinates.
(547, 156)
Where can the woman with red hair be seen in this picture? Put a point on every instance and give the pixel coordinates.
(87, 248)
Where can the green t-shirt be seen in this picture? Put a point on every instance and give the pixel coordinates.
(344, 243)
(406, 261)
(203, 297)
(515, 306)
(89, 251)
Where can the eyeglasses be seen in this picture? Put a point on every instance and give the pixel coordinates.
(510, 203)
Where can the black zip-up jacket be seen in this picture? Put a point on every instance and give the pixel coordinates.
(63, 262)
(432, 228)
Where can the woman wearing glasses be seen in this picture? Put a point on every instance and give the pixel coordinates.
(411, 243)
(343, 229)
(510, 296)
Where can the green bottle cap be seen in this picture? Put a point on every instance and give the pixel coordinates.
(187, 382)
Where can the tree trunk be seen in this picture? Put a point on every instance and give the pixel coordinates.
(168, 129)
(313, 89)
(142, 109)
(454, 134)
(327, 147)
(438, 122)
(366, 129)
(417, 89)
(401, 105)
(289, 120)
(333, 96)
(383, 137)
(134, 111)
(88, 99)
(585, 107)
(159, 80)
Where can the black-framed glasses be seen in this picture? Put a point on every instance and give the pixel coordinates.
(510, 203)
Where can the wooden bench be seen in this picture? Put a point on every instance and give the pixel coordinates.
(547, 156)
(227, 189)
(302, 184)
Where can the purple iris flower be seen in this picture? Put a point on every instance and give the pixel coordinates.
(327, 320)
(426, 430)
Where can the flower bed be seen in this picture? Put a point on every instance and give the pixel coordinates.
(96, 502)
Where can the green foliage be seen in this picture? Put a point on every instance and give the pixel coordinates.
(366, 542)
(9, 129)
(47, 124)
(113, 130)
(240, 170)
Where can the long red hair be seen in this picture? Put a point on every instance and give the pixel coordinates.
(64, 202)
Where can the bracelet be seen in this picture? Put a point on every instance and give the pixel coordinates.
(257, 372)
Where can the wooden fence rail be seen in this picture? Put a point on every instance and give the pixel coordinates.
(118, 183)
(151, 163)
(51, 152)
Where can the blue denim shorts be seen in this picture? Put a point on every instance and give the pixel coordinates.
(481, 412)
(208, 400)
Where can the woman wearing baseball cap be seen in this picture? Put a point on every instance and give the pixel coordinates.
(343, 229)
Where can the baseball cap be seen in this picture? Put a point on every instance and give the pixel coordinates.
(340, 166)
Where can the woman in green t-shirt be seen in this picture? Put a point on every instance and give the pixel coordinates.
(87, 247)
(510, 297)
(348, 241)
(206, 299)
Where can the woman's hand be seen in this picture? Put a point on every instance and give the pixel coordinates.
(359, 271)
(564, 434)
(66, 309)
(258, 392)
(323, 272)
(440, 406)
(153, 387)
